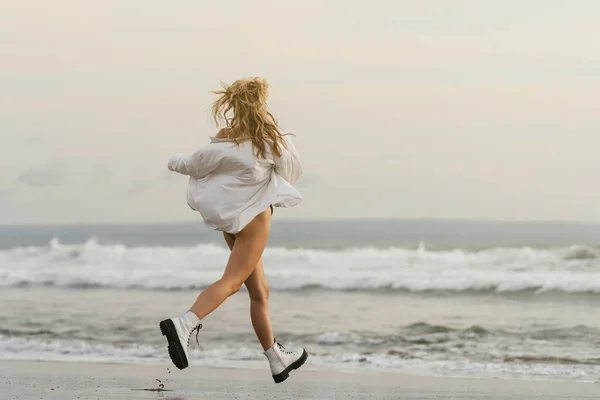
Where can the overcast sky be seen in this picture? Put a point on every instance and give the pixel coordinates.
(476, 109)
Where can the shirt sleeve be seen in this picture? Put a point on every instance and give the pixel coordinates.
(288, 165)
(197, 165)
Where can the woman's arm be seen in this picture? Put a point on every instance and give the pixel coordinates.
(288, 165)
(197, 165)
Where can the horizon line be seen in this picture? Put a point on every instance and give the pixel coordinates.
(313, 220)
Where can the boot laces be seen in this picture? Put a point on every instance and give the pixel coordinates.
(197, 329)
(283, 350)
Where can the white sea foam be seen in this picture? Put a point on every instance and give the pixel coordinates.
(20, 348)
(573, 269)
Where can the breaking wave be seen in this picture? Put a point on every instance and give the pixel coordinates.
(574, 269)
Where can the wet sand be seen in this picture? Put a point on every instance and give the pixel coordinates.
(53, 380)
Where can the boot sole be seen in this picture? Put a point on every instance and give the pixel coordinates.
(283, 375)
(176, 352)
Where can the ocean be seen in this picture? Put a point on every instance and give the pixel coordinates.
(428, 297)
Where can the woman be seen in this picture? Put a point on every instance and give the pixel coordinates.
(235, 181)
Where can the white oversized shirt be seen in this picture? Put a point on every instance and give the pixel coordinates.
(229, 185)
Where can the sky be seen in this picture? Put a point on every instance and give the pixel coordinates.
(464, 109)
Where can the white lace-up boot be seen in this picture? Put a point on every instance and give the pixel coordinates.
(178, 332)
(282, 362)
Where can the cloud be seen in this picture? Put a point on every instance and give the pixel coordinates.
(100, 174)
(173, 178)
(41, 177)
(307, 181)
(4, 194)
(32, 139)
(138, 188)
(29, 139)
(21, 138)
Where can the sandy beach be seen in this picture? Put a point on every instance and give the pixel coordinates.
(52, 380)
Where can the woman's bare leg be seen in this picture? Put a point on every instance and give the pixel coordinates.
(245, 254)
(258, 289)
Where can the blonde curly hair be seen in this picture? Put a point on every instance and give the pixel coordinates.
(251, 120)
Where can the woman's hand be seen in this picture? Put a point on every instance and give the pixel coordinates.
(174, 161)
